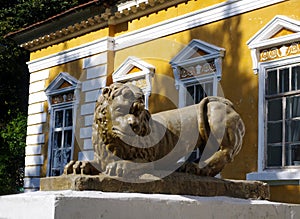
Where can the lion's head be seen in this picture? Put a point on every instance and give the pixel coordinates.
(120, 111)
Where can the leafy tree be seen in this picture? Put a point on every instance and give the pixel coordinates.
(12, 152)
(14, 80)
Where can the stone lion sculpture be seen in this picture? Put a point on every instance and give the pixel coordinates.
(128, 140)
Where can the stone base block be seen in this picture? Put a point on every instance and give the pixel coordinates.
(70, 204)
(176, 183)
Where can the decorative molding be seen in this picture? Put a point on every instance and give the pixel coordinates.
(195, 60)
(265, 46)
(171, 26)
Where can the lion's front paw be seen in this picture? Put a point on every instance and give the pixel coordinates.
(116, 169)
(81, 167)
(126, 169)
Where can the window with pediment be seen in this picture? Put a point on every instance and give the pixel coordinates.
(197, 69)
(61, 101)
(276, 59)
(138, 72)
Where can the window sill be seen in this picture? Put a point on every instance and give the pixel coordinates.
(277, 177)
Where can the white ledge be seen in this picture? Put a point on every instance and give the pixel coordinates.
(277, 177)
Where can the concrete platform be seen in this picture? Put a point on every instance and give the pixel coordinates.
(175, 183)
(96, 204)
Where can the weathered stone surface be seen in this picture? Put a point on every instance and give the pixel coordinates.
(176, 183)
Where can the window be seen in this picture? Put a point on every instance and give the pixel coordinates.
(197, 68)
(197, 91)
(61, 100)
(283, 116)
(62, 138)
(275, 51)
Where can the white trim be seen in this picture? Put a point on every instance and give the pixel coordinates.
(189, 21)
(36, 118)
(33, 150)
(279, 177)
(79, 52)
(34, 160)
(36, 108)
(171, 26)
(262, 39)
(271, 28)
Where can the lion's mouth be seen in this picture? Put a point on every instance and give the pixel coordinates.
(121, 133)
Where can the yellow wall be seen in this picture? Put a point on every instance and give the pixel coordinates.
(289, 194)
(238, 82)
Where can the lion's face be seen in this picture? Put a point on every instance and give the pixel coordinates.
(126, 109)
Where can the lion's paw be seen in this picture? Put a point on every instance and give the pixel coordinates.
(81, 167)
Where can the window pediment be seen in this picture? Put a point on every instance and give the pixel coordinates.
(277, 39)
(137, 72)
(62, 83)
(61, 89)
(197, 51)
(132, 68)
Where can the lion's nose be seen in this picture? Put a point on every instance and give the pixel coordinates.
(132, 121)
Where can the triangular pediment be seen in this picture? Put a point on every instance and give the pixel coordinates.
(279, 28)
(197, 50)
(132, 68)
(62, 83)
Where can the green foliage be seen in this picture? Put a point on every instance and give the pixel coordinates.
(12, 154)
(14, 81)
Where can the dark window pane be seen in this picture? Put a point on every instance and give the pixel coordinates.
(296, 78)
(68, 118)
(55, 172)
(274, 156)
(58, 119)
(292, 131)
(292, 155)
(200, 93)
(284, 80)
(275, 110)
(57, 139)
(272, 83)
(208, 89)
(68, 138)
(293, 107)
(274, 132)
(190, 95)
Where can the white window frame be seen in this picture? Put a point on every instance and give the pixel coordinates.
(263, 40)
(183, 60)
(51, 91)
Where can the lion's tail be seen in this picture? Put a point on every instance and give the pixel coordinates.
(234, 128)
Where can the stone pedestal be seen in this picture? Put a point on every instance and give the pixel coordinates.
(70, 204)
(176, 183)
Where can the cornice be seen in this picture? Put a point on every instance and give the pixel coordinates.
(109, 17)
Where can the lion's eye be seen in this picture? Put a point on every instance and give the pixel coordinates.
(127, 94)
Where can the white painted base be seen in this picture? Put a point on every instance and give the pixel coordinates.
(95, 204)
